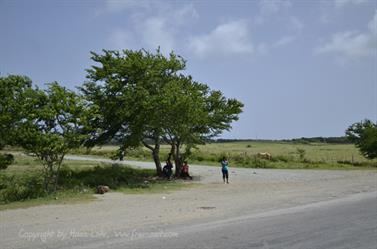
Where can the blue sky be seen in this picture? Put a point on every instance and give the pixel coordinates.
(302, 68)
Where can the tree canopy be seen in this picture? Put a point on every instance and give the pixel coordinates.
(138, 97)
(364, 135)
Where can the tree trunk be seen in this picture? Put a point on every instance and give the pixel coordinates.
(58, 172)
(156, 159)
(177, 159)
(49, 175)
(156, 156)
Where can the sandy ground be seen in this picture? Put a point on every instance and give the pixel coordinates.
(250, 191)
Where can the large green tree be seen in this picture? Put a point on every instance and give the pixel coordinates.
(52, 124)
(143, 98)
(364, 135)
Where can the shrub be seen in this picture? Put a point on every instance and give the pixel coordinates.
(301, 154)
(357, 163)
(281, 158)
(114, 176)
(30, 185)
(21, 187)
(259, 163)
(6, 160)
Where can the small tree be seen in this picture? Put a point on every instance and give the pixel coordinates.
(52, 125)
(301, 153)
(364, 135)
(12, 94)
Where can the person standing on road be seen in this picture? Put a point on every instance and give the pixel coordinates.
(224, 169)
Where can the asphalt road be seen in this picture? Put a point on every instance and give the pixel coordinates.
(348, 223)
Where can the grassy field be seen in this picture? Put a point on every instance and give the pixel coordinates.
(243, 154)
(313, 151)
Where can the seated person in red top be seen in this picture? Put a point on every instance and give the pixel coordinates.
(185, 171)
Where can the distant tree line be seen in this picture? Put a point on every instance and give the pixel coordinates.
(303, 140)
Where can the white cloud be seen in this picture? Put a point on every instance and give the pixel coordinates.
(155, 32)
(120, 39)
(278, 13)
(180, 16)
(350, 44)
(229, 38)
(268, 8)
(155, 26)
(342, 3)
(372, 25)
(353, 44)
(285, 40)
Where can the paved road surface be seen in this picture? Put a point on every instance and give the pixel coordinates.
(348, 223)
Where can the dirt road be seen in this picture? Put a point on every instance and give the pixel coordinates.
(117, 215)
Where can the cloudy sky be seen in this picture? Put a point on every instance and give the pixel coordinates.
(301, 67)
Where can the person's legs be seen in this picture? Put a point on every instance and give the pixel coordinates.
(164, 172)
(169, 174)
(227, 176)
(224, 173)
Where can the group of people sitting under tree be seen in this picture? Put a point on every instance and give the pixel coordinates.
(168, 169)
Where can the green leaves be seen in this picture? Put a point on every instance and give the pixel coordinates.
(143, 98)
(13, 89)
(126, 87)
(364, 135)
(53, 123)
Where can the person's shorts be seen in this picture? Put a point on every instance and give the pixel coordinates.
(224, 171)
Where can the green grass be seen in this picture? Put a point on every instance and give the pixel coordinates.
(21, 183)
(62, 197)
(286, 155)
(314, 151)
